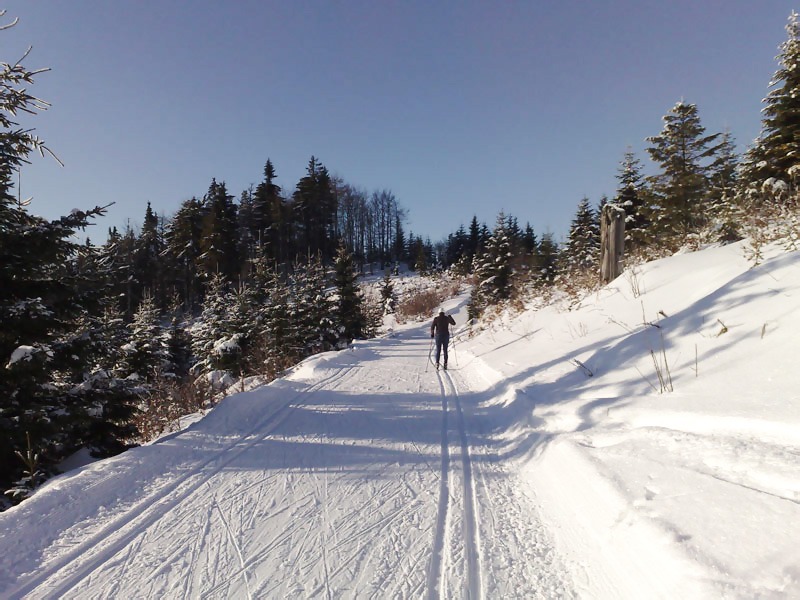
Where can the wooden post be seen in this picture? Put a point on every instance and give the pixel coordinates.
(612, 241)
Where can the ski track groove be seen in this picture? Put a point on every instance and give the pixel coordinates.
(470, 527)
(436, 568)
(236, 546)
(447, 521)
(455, 555)
(150, 510)
(322, 541)
(194, 552)
(132, 550)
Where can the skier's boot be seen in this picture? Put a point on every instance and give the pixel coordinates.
(437, 366)
(445, 366)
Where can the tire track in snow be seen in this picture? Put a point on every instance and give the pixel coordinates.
(117, 534)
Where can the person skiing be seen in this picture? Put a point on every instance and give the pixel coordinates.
(440, 329)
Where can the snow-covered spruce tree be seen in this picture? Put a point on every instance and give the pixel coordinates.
(219, 239)
(684, 153)
(388, 294)
(214, 346)
(245, 327)
(548, 258)
(494, 271)
(42, 394)
(275, 349)
(117, 271)
(311, 317)
(350, 318)
(182, 240)
(632, 197)
(314, 206)
(582, 250)
(267, 200)
(107, 425)
(421, 262)
(177, 343)
(148, 262)
(775, 156)
(144, 356)
(724, 201)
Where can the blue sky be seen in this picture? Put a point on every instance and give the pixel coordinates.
(459, 108)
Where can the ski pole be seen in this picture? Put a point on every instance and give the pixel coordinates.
(430, 349)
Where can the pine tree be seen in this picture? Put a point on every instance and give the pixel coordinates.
(350, 302)
(111, 261)
(144, 356)
(183, 240)
(548, 258)
(244, 327)
(723, 192)
(456, 247)
(314, 207)
(178, 344)
(44, 397)
(270, 216)
(388, 294)
(106, 428)
(129, 285)
(312, 309)
(273, 344)
(218, 244)
(211, 339)
(495, 270)
(421, 263)
(682, 150)
(632, 198)
(278, 341)
(248, 243)
(582, 251)
(148, 261)
(474, 239)
(776, 153)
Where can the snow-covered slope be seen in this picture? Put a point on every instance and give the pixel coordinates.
(516, 474)
(689, 493)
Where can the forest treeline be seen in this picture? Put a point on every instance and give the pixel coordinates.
(102, 346)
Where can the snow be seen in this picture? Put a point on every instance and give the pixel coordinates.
(226, 345)
(21, 353)
(366, 473)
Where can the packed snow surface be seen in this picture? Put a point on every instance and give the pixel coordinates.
(641, 444)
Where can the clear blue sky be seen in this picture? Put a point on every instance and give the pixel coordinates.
(458, 107)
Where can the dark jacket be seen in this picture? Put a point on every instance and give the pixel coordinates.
(441, 325)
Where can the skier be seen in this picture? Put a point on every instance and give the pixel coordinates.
(440, 329)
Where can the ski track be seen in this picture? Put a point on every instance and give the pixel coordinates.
(435, 577)
(315, 524)
(473, 589)
(79, 562)
(456, 545)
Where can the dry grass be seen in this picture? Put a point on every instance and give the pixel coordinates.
(161, 411)
(421, 301)
(420, 304)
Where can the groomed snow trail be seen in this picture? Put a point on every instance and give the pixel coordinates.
(365, 474)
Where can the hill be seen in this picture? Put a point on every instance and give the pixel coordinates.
(643, 443)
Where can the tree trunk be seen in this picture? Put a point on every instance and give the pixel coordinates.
(612, 242)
